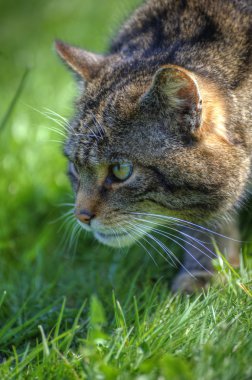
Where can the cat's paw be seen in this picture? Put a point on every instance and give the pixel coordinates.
(189, 284)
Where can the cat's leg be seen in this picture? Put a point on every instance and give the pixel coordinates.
(197, 267)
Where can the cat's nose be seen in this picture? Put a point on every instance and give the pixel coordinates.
(84, 216)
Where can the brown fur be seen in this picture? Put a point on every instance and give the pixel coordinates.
(172, 96)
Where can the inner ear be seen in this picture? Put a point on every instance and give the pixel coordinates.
(175, 91)
(82, 62)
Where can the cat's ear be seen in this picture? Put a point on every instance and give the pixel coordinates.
(175, 91)
(84, 63)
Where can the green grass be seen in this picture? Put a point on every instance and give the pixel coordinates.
(84, 311)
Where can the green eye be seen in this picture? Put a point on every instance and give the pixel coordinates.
(122, 171)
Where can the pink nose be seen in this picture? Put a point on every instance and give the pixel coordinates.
(84, 216)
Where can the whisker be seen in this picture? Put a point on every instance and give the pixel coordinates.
(93, 134)
(68, 219)
(63, 122)
(49, 111)
(168, 235)
(138, 242)
(66, 204)
(68, 225)
(185, 234)
(73, 240)
(168, 251)
(63, 216)
(56, 141)
(158, 242)
(116, 236)
(171, 223)
(59, 132)
(201, 228)
(73, 234)
(100, 128)
(60, 123)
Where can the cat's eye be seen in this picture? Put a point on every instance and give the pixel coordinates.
(122, 170)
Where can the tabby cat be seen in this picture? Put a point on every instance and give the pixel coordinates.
(162, 136)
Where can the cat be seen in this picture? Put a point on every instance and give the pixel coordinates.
(162, 136)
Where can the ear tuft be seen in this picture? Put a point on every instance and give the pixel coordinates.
(84, 63)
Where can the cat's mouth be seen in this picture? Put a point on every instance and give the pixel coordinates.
(112, 237)
(116, 239)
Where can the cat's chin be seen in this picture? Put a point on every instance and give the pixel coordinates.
(119, 240)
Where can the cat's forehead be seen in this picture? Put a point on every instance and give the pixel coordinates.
(110, 98)
(110, 123)
(96, 140)
(93, 145)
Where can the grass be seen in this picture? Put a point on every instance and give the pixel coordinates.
(83, 311)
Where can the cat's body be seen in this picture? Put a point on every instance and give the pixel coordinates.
(171, 105)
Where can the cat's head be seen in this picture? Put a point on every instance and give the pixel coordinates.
(148, 142)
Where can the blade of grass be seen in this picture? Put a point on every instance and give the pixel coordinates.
(137, 321)
(69, 339)
(124, 343)
(35, 352)
(119, 315)
(56, 333)
(2, 298)
(15, 98)
(8, 331)
(44, 341)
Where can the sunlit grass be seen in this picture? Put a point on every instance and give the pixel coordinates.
(153, 334)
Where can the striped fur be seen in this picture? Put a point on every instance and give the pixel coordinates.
(173, 96)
